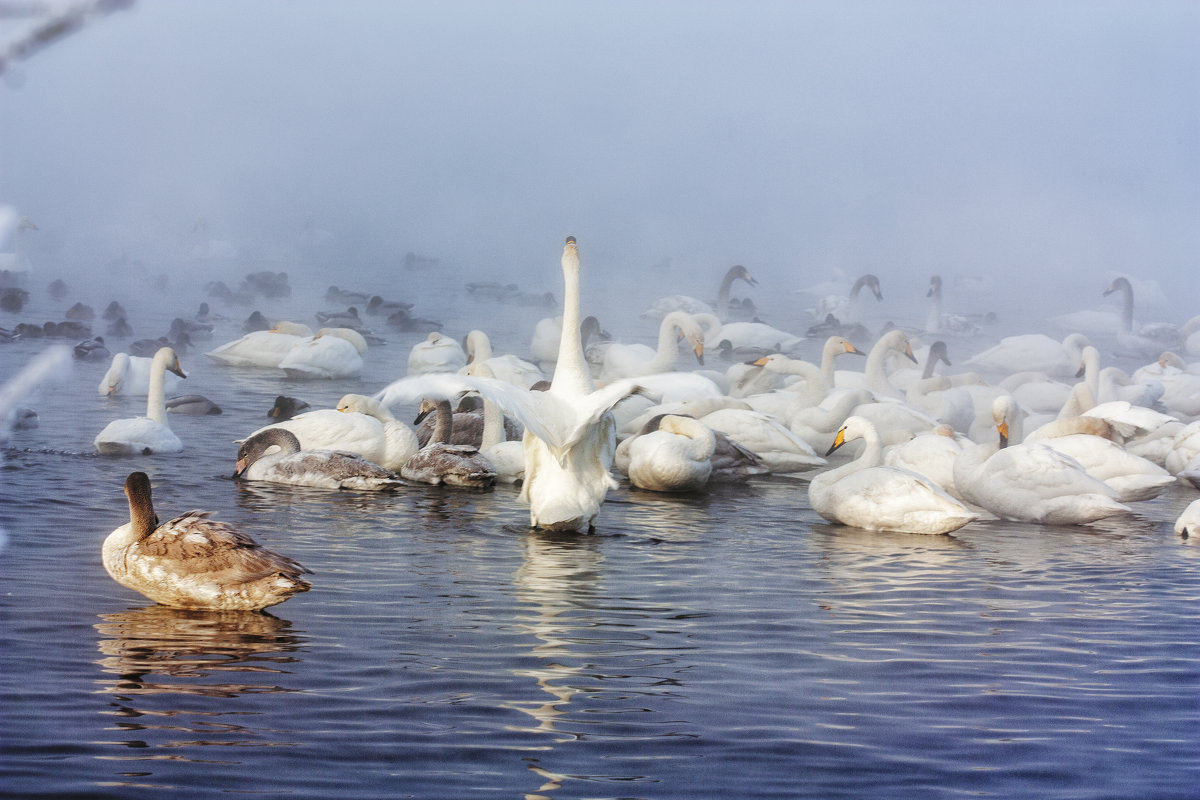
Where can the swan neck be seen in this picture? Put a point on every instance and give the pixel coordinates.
(493, 425)
(443, 422)
(571, 372)
(156, 401)
(142, 520)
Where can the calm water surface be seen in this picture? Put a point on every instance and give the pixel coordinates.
(725, 645)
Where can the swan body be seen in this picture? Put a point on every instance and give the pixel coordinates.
(193, 561)
(274, 456)
(438, 353)
(130, 375)
(1132, 477)
(690, 305)
(148, 434)
(1188, 524)
(755, 337)
(636, 360)
(262, 348)
(931, 454)
(1031, 482)
(864, 494)
(676, 456)
(506, 367)
(845, 307)
(1031, 351)
(331, 353)
(440, 462)
(780, 450)
(359, 425)
(195, 405)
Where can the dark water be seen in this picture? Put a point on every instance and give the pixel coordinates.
(725, 645)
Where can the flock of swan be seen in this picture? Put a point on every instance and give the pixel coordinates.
(931, 452)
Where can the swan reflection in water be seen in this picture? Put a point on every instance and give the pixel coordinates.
(161, 655)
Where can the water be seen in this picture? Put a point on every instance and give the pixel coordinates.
(725, 645)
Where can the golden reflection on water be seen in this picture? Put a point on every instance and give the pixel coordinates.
(161, 656)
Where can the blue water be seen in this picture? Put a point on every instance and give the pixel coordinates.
(727, 645)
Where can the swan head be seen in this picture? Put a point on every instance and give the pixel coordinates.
(935, 286)
(738, 272)
(260, 443)
(170, 360)
(1118, 285)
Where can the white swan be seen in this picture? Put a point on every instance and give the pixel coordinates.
(148, 434)
(674, 457)
(845, 307)
(1131, 476)
(1188, 524)
(781, 450)
(358, 425)
(505, 367)
(931, 454)
(570, 435)
(864, 494)
(757, 338)
(193, 561)
(437, 353)
(1031, 351)
(262, 348)
(1030, 482)
(331, 353)
(874, 375)
(690, 305)
(1142, 339)
(130, 375)
(636, 360)
(274, 456)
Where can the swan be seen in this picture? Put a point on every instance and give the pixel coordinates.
(438, 353)
(130, 375)
(1188, 524)
(1031, 351)
(358, 425)
(864, 494)
(1111, 383)
(440, 462)
(817, 384)
(690, 305)
(262, 348)
(937, 322)
(570, 435)
(324, 469)
(757, 338)
(195, 405)
(674, 456)
(931, 454)
(548, 331)
(1153, 337)
(1181, 389)
(1030, 482)
(1133, 477)
(874, 375)
(505, 367)
(193, 561)
(636, 360)
(845, 307)
(148, 434)
(780, 450)
(330, 353)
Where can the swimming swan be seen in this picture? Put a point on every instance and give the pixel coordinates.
(148, 434)
(262, 348)
(330, 353)
(274, 455)
(440, 462)
(130, 375)
(864, 494)
(193, 561)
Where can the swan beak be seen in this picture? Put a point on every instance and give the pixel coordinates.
(750, 279)
(699, 351)
(762, 362)
(1079, 373)
(1003, 428)
(421, 415)
(838, 441)
(908, 352)
(178, 370)
(1109, 291)
(851, 349)
(239, 467)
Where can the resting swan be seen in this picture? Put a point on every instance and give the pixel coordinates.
(864, 494)
(440, 462)
(262, 348)
(570, 435)
(193, 561)
(845, 307)
(674, 456)
(690, 305)
(330, 353)
(274, 455)
(438, 353)
(505, 367)
(1030, 482)
(358, 425)
(148, 434)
